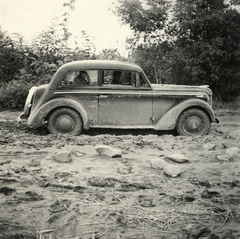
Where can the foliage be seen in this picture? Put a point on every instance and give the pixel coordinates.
(189, 42)
(11, 58)
(207, 45)
(23, 65)
(149, 47)
(154, 60)
(13, 94)
(147, 18)
(110, 54)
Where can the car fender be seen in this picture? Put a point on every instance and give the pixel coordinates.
(37, 118)
(28, 102)
(169, 120)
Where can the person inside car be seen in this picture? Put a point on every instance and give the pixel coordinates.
(82, 78)
(116, 77)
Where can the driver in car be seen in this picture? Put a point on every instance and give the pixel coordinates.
(82, 78)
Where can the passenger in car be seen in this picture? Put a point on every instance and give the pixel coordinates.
(82, 78)
(116, 78)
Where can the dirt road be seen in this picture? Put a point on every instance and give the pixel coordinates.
(96, 196)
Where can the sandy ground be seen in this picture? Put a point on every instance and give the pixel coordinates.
(95, 196)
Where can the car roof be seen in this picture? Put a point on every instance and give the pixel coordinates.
(99, 64)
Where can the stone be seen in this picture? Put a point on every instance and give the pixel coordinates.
(108, 151)
(172, 170)
(35, 162)
(233, 152)
(199, 231)
(224, 157)
(7, 190)
(5, 161)
(63, 157)
(209, 146)
(178, 158)
(157, 163)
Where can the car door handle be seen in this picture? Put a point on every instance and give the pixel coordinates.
(102, 96)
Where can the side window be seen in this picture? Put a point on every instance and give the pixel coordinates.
(112, 77)
(80, 78)
(117, 77)
(124, 78)
(140, 81)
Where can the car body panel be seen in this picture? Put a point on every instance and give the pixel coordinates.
(28, 104)
(169, 119)
(36, 119)
(86, 97)
(118, 107)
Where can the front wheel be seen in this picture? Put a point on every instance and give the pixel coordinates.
(65, 121)
(193, 122)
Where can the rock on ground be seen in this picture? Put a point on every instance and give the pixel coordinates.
(108, 151)
(172, 170)
(233, 152)
(224, 157)
(63, 157)
(157, 163)
(178, 158)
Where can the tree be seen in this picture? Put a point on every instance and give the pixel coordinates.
(23, 65)
(110, 54)
(53, 47)
(207, 44)
(149, 45)
(11, 58)
(192, 42)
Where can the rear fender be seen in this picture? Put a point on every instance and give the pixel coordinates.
(169, 120)
(37, 118)
(27, 107)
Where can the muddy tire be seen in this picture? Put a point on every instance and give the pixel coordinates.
(65, 121)
(193, 122)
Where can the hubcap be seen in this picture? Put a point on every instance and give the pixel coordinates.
(193, 124)
(65, 123)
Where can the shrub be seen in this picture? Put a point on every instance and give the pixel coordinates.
(13, 94)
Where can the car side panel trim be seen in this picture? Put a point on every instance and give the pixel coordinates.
(37, 119)
(169, 120)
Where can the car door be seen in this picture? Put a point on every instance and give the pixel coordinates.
(127, 102)
(82, 86)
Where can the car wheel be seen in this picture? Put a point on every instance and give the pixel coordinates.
(65, 121)
(193, 122)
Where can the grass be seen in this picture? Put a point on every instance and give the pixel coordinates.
(231, 106)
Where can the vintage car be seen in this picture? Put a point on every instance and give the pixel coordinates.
(111, 94)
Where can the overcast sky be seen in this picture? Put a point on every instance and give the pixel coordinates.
(30, 17)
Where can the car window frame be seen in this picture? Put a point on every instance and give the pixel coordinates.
(78, 85)
(101, 80)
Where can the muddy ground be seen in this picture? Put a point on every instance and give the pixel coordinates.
(95, 196)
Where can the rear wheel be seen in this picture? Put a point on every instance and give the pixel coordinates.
(193, 122)
(65, 121)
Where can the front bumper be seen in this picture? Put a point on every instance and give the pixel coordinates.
(216, 123)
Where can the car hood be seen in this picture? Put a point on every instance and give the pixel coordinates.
(182, 88)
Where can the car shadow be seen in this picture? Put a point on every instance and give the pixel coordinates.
(134, 132)
(100, 131)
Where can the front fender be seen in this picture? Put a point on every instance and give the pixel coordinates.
(37, 118)
(169, 120)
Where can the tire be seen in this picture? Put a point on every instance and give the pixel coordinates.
(193, 122)
(65, 121)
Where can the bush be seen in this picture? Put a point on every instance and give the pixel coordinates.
(13, 94)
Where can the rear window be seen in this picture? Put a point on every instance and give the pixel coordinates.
(78, 78)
